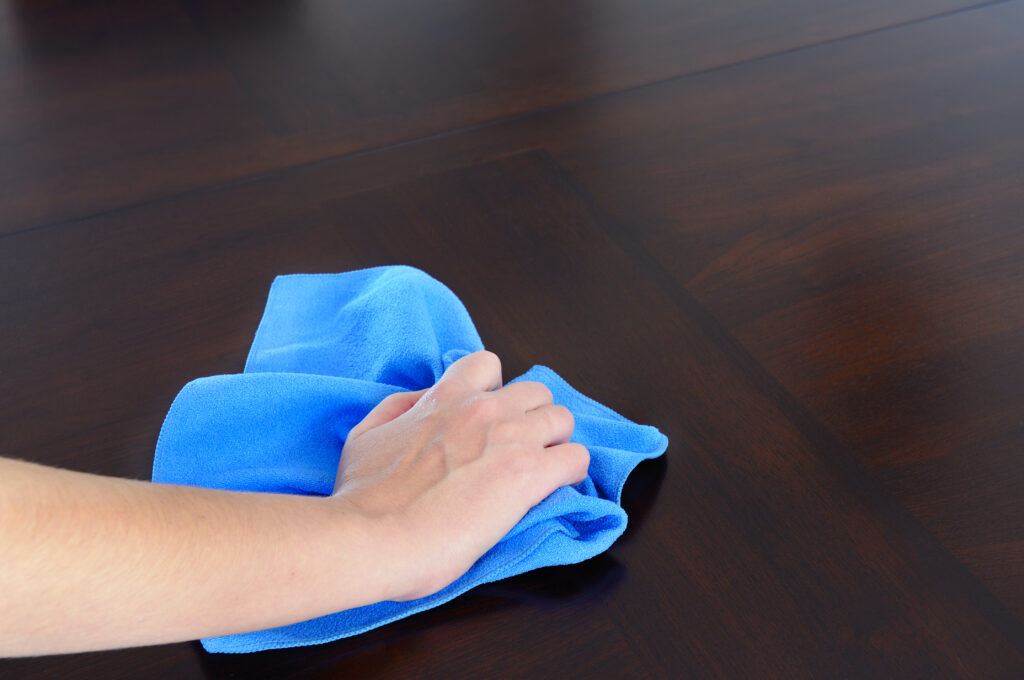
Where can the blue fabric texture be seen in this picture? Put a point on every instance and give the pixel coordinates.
(328, 349)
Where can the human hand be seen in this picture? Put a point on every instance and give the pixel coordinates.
(443, 474)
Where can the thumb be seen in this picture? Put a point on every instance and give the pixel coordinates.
(387, 410)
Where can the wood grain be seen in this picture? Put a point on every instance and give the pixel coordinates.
(804, 267)
(749, 510)
(119, 102)
(866, 251)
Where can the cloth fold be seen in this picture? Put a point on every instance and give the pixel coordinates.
(328, 349)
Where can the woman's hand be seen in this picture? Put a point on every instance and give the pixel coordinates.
(445, 473)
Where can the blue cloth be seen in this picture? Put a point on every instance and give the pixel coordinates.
(329, 348)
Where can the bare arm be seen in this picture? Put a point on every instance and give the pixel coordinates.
(428, 483)
(88, 562)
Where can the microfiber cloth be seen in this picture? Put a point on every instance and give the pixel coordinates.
(328, 349)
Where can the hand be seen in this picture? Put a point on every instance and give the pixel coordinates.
(443, 474)
(428, 482)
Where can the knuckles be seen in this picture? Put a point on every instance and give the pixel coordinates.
(445, 391)
(543, 391)
(480, 410)
(579, 458)
(563, 416)
(489, 360)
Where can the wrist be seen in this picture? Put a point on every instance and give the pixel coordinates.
(408, 565)
(384, 542)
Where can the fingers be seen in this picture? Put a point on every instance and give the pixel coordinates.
(478, 371)
(387, 410)
(565, 464)
(526, 395)
(551, 424)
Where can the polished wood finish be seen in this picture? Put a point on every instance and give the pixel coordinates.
(113, 103)
(787, 234)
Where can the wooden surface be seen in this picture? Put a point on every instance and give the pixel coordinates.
(790, 234)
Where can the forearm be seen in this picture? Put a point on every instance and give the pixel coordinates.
(89, 562)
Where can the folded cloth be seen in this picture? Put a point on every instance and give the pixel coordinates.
(328, 349)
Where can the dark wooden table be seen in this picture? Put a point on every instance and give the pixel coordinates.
(789, 234)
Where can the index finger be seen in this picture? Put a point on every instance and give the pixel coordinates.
(479, 371)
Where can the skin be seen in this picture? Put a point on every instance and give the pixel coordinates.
(427, 483)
